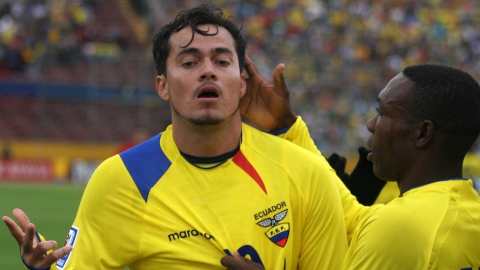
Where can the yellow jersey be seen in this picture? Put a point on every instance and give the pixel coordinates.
(435, 226)
(150, 208)
(352, 209)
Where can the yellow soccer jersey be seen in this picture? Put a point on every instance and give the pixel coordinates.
(435, 226)
(150, 208)
(353, 210)
(389, 192)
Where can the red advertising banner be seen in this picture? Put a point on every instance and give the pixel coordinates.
(26, 170)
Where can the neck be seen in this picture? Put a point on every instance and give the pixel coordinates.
(428, 170)
(208, 140)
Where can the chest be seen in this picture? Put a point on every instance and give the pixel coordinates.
(197, 216)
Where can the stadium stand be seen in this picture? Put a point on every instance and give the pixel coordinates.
(339, 54)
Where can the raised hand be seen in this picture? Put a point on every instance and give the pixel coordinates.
(237, 262)
(265, 104)
(32, 251)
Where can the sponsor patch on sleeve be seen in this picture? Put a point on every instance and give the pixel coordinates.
(71, 240)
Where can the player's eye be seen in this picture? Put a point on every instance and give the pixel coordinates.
(223, 63)
(188, 64)
(378, 111)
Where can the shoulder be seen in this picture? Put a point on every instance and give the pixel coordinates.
(280, 151)
(403, 232)
(404, 219)
(301, 169)
(386, 239)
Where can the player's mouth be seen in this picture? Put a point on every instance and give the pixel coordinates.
(208, 93)
(370, 155)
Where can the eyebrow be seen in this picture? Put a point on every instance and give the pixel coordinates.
(188, 51)
(218, 50)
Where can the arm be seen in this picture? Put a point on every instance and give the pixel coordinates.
(35, 253)
(324, 243)
(352, 209)
(268, 106)
(107, 230)
(389, 239)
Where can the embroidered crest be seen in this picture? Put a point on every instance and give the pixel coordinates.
(279, 232)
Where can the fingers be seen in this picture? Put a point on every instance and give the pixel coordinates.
(36, 258)
(332, 160)
(57, 254)
(22, 218)
(337, 162)
(237, 262)
(239, 257)
(16, 232)
(27, 243)
(43, 247)
(250, 68)
(278, 73)
(23, 221)
(278, 79)
(230, 262)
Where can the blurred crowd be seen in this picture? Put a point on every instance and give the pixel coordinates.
(338, 53)
(34, 33)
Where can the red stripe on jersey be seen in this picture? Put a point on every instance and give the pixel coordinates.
(243, 163)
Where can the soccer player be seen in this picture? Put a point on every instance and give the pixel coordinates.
(428, 118)
(206, 187)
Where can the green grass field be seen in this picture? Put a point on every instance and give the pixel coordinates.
(51, 208)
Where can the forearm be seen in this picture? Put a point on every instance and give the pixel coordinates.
(353, 211)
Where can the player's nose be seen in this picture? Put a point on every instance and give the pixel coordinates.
(208, 71)
(371, 124)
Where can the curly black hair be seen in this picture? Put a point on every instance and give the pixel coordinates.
(194, 17)
(450, 98)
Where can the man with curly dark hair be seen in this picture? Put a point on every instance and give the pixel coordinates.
(208, 186)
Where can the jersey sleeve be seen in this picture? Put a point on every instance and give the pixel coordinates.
(107, 230)
(324, 242)
(353, 210)
(388, 240)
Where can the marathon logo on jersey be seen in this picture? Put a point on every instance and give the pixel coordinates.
(279, 232)
(71, 240)
(189, 233)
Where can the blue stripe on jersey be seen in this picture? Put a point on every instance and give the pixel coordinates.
(146, 164)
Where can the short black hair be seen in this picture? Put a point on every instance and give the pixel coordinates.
(194, 17)
(450, 98)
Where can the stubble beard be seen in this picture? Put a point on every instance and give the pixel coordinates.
(204, 121)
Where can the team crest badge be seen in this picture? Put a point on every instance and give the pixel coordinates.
(279, 232)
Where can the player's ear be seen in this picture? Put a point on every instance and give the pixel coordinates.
(162, 87)
(424, 133)
(243, 88)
